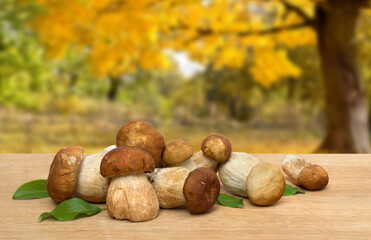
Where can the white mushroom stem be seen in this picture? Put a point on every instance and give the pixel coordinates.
(201, 160)
(188, 164)
(168, 184)
(90, 185)
(293, 165)
(132, 197)
(234, 172)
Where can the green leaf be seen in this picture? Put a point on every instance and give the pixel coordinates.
(230, 201)
(33, 189)
(70, 209)
(290, 190)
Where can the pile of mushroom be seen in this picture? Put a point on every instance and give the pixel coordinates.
(141, 174)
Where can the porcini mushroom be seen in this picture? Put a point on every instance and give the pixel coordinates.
(178, 153)
(244, 175)
(201, 160)
(201, 190)
(130, 195)
(176, 186)
(141, 134)
(303, 172)
(168, 184)
(217, 147)
(90, 185)
(63, 172)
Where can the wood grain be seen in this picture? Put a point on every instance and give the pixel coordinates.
(341, 211)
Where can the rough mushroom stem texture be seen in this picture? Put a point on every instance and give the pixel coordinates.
(132, 197)
(303, 172)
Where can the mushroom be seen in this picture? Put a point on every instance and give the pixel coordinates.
(168, 184)
(90, 185)
(178, 153)
(201, 190)
(176, 186)
(245, 175)
(63, 172)
(201, 160)
(216, 147)
(141, 134)
(303, 172)
(130, 195)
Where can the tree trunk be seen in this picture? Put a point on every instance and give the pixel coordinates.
(114, 87)
(346, 102)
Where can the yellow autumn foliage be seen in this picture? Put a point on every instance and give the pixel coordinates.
(120, 36)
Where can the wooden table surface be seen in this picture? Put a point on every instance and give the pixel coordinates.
(341, 211)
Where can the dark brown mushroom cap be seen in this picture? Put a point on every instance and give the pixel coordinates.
(201, 190)
(126, 160)
(313, 177)
(141, 134)
(176, 151)
(217, 147)
(63, 173)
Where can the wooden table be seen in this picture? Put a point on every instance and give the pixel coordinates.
(341, 211)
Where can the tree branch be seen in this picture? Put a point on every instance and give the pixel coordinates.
(291, 7)
(206, 32)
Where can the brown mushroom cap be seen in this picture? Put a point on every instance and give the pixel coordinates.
(216, 147)
(63, 173)
(201, 190)
(141, 134)
(176, 151)
(126, 160)
(313, 177)
(265, 184)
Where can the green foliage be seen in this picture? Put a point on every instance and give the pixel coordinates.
(290, 190)
(230, 201)
(33, 189)
(70, 209)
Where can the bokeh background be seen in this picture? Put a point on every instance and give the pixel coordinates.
(274, 76)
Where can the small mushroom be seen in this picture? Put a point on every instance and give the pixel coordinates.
(141, 134)
(201, 190)
(303, 172)
(130, 195)
(244, 175)
(216, 147)
(168, 184)
(178, 153)
(63, 172)
(202, 161)
(90, 185)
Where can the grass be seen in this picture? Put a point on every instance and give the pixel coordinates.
(22, 132)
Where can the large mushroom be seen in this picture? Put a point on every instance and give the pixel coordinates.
(141, 134)
(63, 171)
(90, 185)
(130, 195)
(243, 174)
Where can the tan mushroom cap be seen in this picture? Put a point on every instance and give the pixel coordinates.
(313, 177)
(63, 173)
(201, 190)
(126, 160)
(265, 184)
(176, 151)
(217, 147)
(141, 134)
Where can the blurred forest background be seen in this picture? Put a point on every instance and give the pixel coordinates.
(274, 76)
